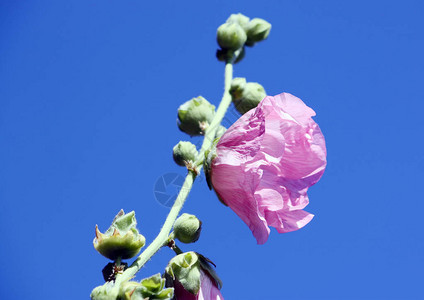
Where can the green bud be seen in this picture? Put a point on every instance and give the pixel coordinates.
(184, 153)
(237, 87)
(121, 240)
(195, 115)
(108, 291)
(240, 19)
(257, 30)
(231, 36)
(148, 288)
(185, 268)
(252, 93)
(187, 228)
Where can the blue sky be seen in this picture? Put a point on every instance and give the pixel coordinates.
(88, 98)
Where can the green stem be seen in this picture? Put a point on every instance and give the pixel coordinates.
(177, 249)
(222, 109)
(162, 238)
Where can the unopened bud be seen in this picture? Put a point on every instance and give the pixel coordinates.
(246, 95)
(191, 272)
(231, 36)
(184, 153)
(195, 115)
(185, 268)
(257, 30)
(237, 87)
(121, 240)
(187, 228)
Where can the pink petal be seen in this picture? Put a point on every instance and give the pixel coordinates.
(208, 289)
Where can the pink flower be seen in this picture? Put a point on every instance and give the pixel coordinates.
(208, 290)
(265, 163)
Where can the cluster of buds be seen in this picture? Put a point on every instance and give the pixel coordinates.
(239, 31)
(246, 95)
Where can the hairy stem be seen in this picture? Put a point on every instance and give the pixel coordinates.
(222, 109)
(162, 238)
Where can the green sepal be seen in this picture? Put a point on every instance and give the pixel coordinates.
(107, 291)
(122, 239)
(185, 268)
(151, 288)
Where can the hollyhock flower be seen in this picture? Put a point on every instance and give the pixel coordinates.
(193, 278)
(265, 163)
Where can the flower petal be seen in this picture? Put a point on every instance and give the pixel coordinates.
(208, 290)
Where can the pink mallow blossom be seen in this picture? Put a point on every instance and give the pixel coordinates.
(265, 163)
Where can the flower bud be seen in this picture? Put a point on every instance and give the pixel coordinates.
(187, 228)
(231, 36)
(185, 268)
(237, 87)
(192, 277)
(148, 288)
(257, 30)
(252, 93)
(121, 240)
(195, 115)
(184, 153)
(240, 19)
